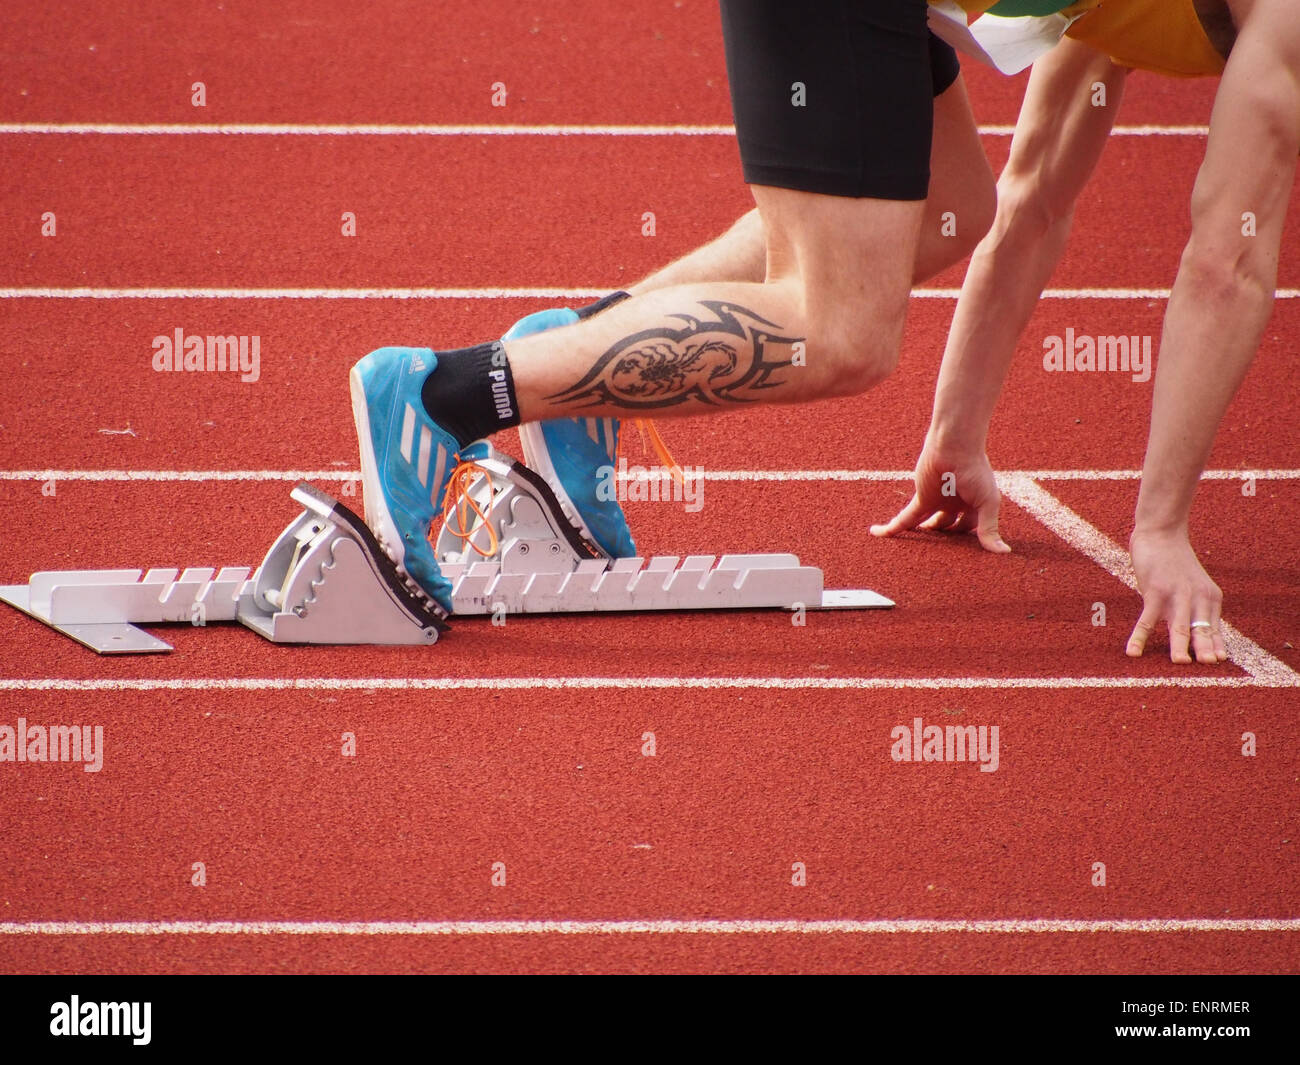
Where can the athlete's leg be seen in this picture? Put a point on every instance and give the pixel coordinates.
(838, 276)
(827, 321)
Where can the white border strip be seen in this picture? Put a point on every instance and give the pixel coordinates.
(741, 476)
(630, 683)
(1012, 926)
(284, 129)
(531, 293)
(1091, 542)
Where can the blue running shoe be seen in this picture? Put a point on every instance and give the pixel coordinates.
(406, 462)
(575, 456)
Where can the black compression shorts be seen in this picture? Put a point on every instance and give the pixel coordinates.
(836, 96)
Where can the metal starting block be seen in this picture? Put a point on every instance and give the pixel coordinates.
(326, 580)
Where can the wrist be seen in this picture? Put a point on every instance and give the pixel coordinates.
(1159, 530)
(1161, 518)
(957, 435)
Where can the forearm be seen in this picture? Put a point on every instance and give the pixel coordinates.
(1007, 274)
(1211, 333)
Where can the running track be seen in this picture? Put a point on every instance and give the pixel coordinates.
(523, 745)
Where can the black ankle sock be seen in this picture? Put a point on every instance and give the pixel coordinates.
(602, 303)
(471, 393)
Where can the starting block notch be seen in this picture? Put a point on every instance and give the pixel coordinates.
(326, 580)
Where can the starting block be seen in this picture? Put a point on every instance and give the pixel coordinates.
(326, 580)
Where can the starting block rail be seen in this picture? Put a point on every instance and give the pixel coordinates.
(326, 580)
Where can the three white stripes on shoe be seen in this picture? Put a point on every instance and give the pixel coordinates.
(426, 450)
(601, 431)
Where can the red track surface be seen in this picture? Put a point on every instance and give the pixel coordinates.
(752, 773)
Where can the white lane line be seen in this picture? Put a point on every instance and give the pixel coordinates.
(288, 129)
(1136, 475)
(1152, 294)
(630, 683)
(198, 476)
(490, 293)
(741, 476)
(1090, 541)
(1036, 475)
(1010, 926)
(298, 129)
(1118, 131)
(155, 293)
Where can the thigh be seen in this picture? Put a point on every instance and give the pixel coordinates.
(834, 97)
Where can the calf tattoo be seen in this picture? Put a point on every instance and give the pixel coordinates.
(716, 360)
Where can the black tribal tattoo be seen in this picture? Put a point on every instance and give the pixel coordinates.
(706, 360)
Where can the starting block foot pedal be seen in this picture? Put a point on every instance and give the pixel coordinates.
(327, 580)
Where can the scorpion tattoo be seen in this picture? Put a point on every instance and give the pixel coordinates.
(702, 360)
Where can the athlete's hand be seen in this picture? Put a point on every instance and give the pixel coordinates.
(956, 493)
(1175, 589)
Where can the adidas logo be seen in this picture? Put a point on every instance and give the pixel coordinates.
(427, 450)
(418, 365)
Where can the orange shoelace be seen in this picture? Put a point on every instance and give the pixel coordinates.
(459, 505)
(647, 428)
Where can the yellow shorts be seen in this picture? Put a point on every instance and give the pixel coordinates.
(1163, 36)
